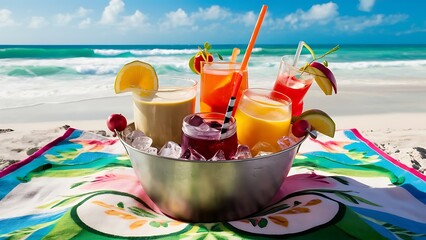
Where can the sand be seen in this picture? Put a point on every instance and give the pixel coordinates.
(393, 118)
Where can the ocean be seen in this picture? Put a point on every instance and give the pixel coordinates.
(32, 75)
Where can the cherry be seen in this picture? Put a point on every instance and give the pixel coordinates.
(200, 58)
(300, 128)
(117, 122)
(203, 55)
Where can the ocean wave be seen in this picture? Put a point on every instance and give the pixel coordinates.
(45, 53)
(60, 67)
(144, 52)
(109, 52)
(36, 71)
(48, 71)
(157, 51)
(377, 64)
(95, 70)
(257, 50)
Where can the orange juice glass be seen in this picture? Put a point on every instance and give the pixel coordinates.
(216, 85)
(263, 116)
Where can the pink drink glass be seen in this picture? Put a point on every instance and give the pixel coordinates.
(293, 83)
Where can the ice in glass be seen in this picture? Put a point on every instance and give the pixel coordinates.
(159, 113)
(201, 132)
(263, 117)
(293, 83)
(216, 85)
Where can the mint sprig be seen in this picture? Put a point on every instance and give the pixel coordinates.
(206, 50)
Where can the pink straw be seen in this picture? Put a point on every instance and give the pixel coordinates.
(238, 76)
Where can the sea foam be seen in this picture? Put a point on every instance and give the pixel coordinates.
(34, 75)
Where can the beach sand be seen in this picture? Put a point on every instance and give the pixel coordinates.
(393, 118)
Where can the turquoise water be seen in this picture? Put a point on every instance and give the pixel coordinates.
(41, 74)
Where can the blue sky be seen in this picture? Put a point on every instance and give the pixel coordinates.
(219, 22)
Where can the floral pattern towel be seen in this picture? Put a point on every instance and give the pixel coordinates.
(83, 186)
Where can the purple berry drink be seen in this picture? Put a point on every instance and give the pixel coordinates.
(201, 132)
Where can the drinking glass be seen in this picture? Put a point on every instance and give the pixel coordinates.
(202, 134)
(263, 117)
(159, 113)
(293, 83)
(216, 85)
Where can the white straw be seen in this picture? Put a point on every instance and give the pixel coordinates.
(298, 52)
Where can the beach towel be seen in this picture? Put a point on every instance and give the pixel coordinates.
(82, 186)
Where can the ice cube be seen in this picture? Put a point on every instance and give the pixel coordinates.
(123, 134)
(133, 135)
(171, 149)
(136, 133)
(195, 120)
(151, 150)
(243, 152)
(262, 153)
(203, 127)
(286, 142)
(263, 147)
(192, 154)
(142, 142)
(215, 124)
(219, 155)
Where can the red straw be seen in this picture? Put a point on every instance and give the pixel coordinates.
(238, 76)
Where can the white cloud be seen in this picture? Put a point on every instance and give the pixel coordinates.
(37, 22)
(134, 20)
(321, 12)
(366, 5)
(412, 30)
(85, 23)
(214, 12)
(178, 18)
(357, 24)
(82, 12)
(6, 18)
(112, 16)
(111, 12)
(317, 14)
(248, 19)
(65, 18)
(211, 15)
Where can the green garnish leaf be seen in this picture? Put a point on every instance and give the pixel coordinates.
(207, 46)
(219, 56)
(310, 50)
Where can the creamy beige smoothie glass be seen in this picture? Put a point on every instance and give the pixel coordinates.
(159, 113)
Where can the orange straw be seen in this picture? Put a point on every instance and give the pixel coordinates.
(238, 76)
(253, 37)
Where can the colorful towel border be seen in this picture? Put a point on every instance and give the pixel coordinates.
(82, 185)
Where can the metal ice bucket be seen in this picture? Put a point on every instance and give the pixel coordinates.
(207, 191)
